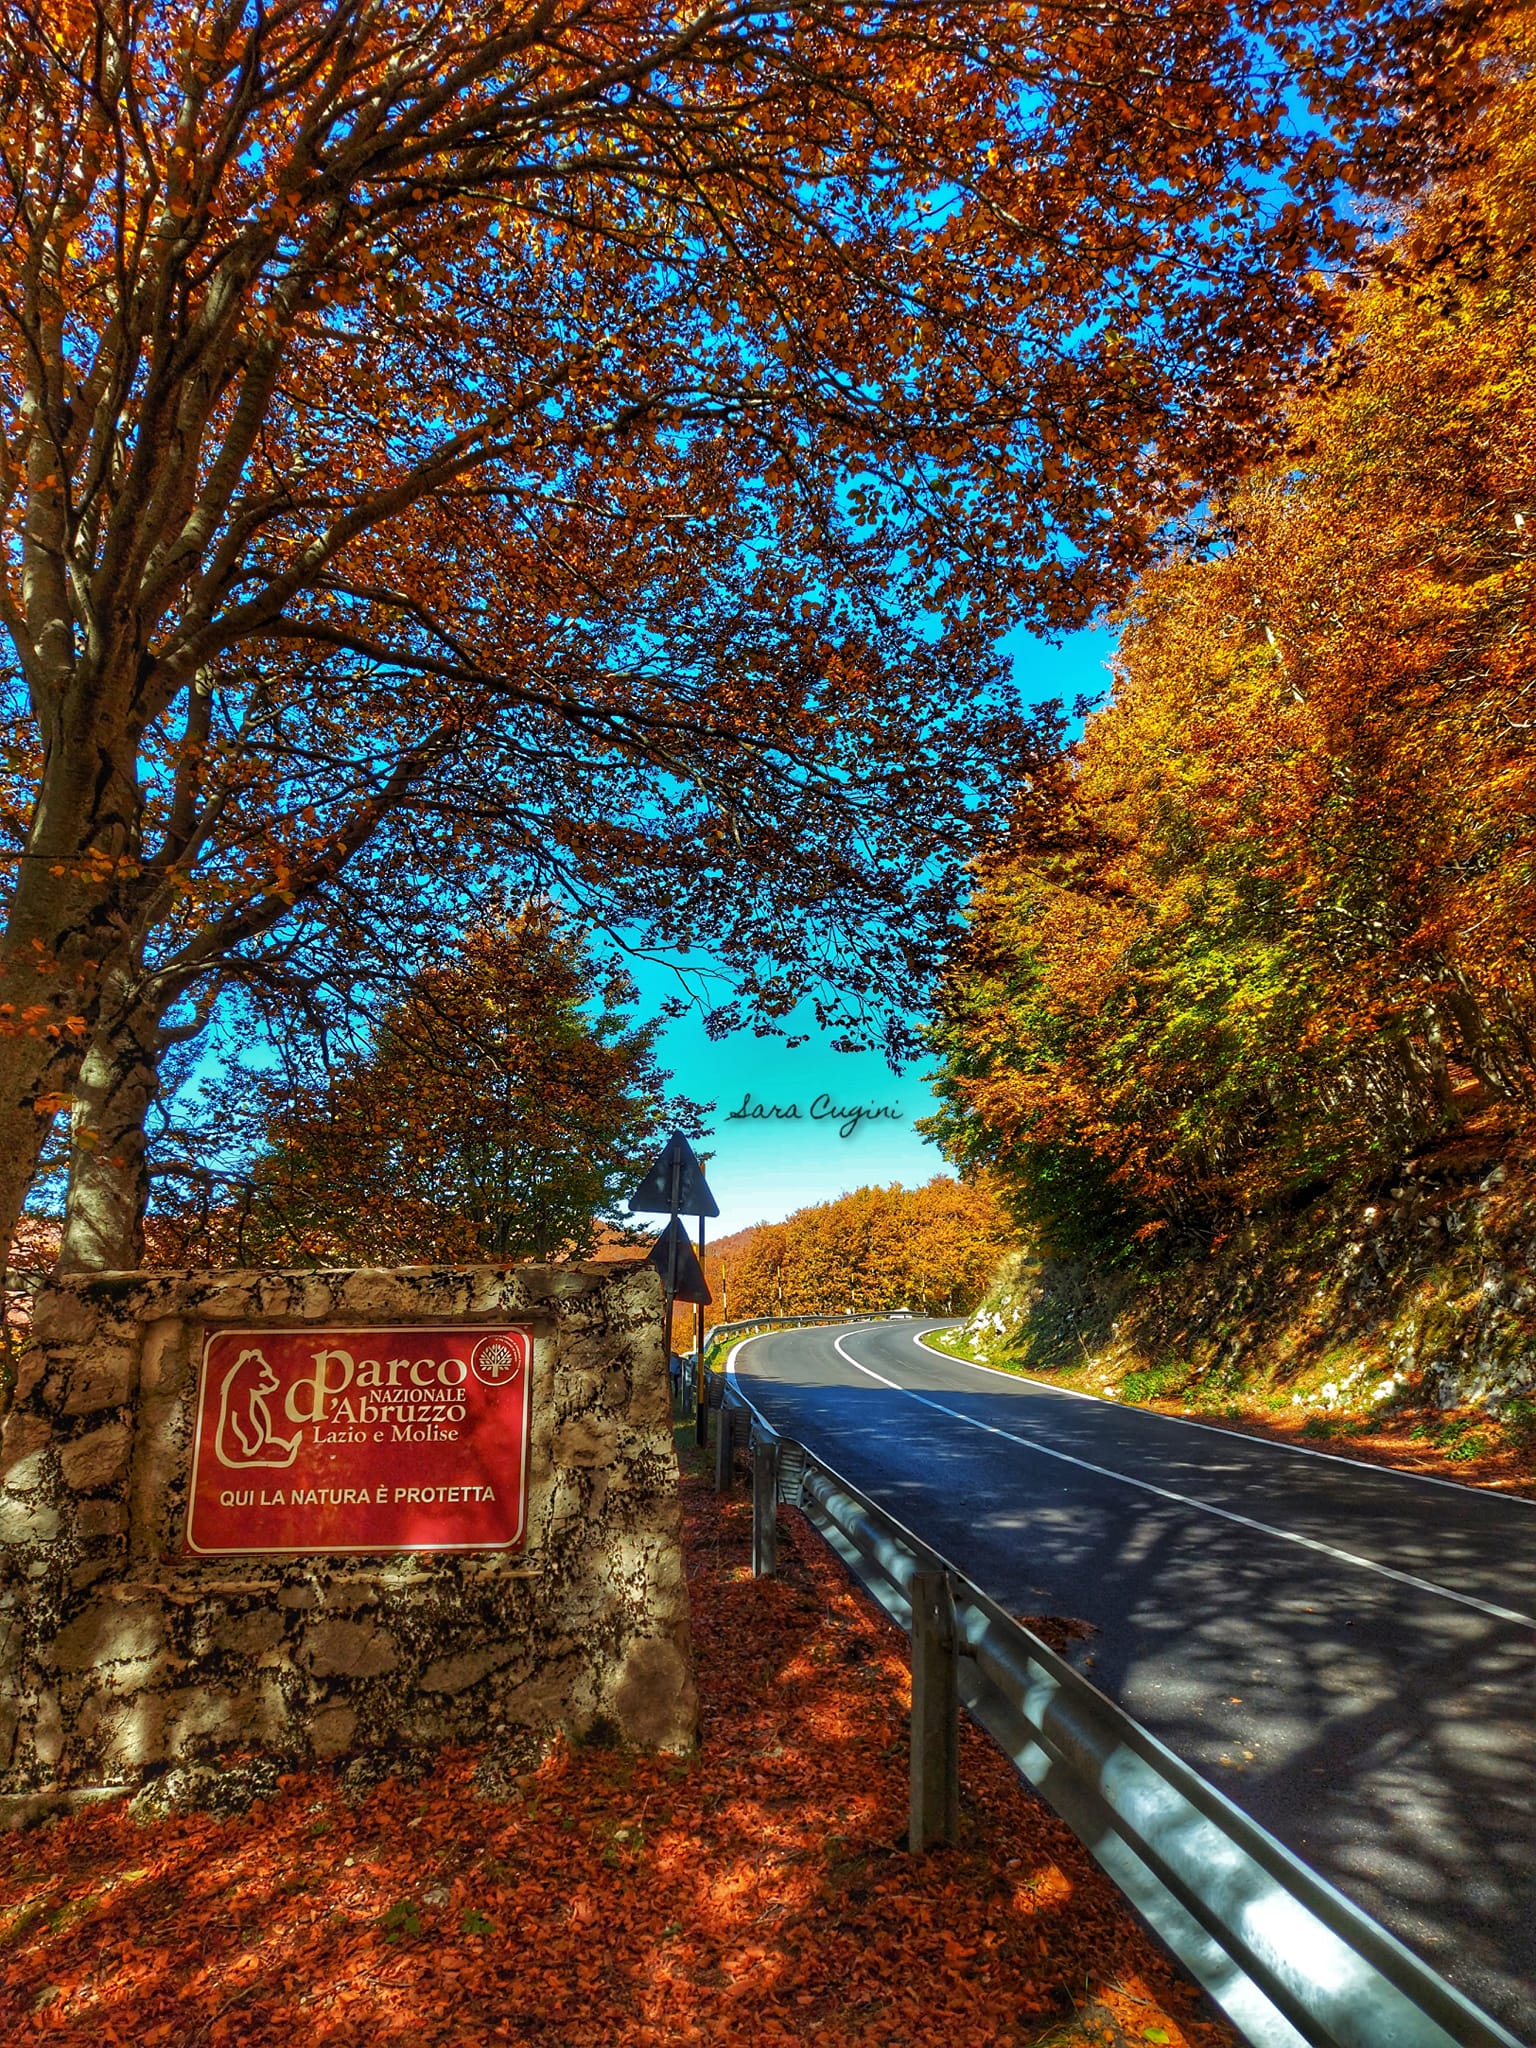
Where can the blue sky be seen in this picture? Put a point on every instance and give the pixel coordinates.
(761, 1170)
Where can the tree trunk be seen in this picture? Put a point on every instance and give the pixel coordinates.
(108, 1138)
(35, 1081)
(46, 1014)
(65, 933)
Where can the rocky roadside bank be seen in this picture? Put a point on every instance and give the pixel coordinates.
(1397, 1327)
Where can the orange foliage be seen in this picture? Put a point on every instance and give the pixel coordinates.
(1275, 919)
(754, 1893)
(932, 1249)
(546, 423)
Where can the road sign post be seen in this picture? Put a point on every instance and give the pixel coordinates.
(675, 1186)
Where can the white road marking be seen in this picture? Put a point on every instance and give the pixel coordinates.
(1523, 1500)
(1204, 1507)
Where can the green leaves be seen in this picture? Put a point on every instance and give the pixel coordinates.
(505, 1105)
(404, 1917)
(1268, 926)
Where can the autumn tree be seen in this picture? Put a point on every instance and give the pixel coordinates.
(339, 340)
(505, 1106)
(296, 911)
(1271, 924)
(931, 1249)
(289, 935)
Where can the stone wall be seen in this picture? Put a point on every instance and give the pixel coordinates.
(118, 1653)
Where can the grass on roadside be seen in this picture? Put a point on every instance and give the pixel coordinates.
(1330, 1408)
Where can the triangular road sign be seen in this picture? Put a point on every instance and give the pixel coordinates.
(675, 1186)
(676, 1261)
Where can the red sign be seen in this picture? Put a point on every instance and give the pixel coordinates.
(328, 1440)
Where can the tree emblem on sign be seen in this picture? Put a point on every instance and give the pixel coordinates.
(495, 1361)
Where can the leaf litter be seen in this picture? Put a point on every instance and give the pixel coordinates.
(754, 1892)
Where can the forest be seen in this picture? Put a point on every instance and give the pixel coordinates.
(1268, 928)
(511, 504)
(487, 458)
(931, 1249)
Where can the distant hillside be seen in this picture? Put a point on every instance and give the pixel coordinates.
(931, 1248)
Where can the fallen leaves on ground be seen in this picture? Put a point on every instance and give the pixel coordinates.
(755, 1892)
(1466, 1445)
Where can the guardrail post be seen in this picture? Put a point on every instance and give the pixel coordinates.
(765, 1508)
(725, 1445)
(935, 1727)
(701, 1417)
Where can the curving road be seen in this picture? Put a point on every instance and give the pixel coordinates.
(1349, 1652)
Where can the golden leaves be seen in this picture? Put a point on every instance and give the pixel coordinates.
(927, 1248)
(1278, 923)
(741, 1897)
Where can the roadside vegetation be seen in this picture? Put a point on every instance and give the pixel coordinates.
(1400, 1329)
(1244, 1025)
(443, 471)
(932, 1249)
(1468, 1444)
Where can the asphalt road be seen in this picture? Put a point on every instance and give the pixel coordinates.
(1349, 1652)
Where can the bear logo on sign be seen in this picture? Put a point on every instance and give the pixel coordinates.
(245, 1434)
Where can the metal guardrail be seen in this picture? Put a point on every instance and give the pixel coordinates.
(1289, 1959)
